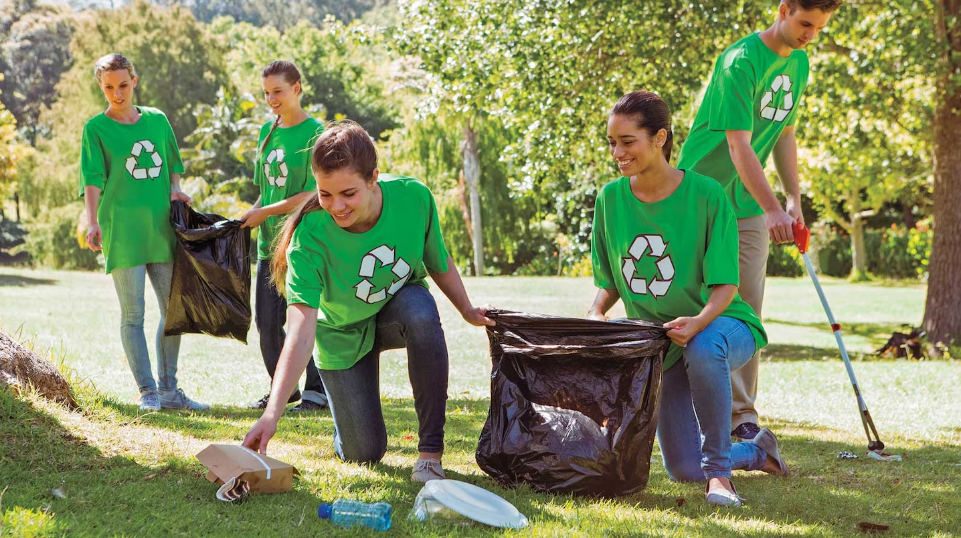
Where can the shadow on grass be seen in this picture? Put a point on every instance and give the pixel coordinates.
(795, 352)
(874, 331)
(23, 281)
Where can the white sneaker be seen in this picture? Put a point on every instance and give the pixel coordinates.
(176, 399)
(426, 470)
(149, 401)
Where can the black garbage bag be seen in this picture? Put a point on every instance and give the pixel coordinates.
(574, 403)
(210, 292)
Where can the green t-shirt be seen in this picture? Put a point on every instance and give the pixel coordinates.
(349, 277)
(752, 89)
(132, 165)
(281, 171)
(662, 257)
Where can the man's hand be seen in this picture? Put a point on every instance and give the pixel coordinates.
(94, 236)
(260, 434)
(793, 208)
(780, 226)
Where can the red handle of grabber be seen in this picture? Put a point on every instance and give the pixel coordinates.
(802, 236)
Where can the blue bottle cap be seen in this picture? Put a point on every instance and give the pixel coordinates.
(324, 511)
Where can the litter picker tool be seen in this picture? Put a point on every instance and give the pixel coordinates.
(802, 236)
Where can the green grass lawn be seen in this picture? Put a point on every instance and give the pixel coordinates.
(123, 474)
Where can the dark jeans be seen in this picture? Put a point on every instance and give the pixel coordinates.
(408, 320)
(270, 316)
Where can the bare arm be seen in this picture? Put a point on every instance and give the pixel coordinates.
(175, 192)
(301, 329)
(453, 287)
(785, 160)
(603, 301)
(91, 199)
(257, 214)
(749, 169)
(684, 328)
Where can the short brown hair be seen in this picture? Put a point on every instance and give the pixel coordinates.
(827, 6)
(113, 62)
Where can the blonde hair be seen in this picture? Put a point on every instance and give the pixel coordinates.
(113, 62)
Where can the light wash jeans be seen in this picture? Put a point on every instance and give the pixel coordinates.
(694, 427)
(408, 320)
(130, 283)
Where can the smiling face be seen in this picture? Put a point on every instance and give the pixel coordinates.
(117, 87)
(799, 29)
(349, 198)
(633, 148)
(281, 96)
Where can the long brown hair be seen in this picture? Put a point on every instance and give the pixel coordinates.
(290, 73)
(650, 113)
(342, 144)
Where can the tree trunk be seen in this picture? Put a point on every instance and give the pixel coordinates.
(859, 260)
(16, 204)
(942, 312)
(21, 369)
(471, 158)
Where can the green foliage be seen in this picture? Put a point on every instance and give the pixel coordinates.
(277, 13)
(26, 523)
(12, 152)
(335, 74)
(895, 252)
(784, 260)
(54, 241)
(35, 52)
(225, 142)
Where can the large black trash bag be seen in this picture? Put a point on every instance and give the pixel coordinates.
(574, 403)
(210, 292)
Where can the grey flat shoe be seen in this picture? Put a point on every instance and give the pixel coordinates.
(766, 441)
(723, 497)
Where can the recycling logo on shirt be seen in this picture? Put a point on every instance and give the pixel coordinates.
(382, 256)
(139, 172)
(276, 155)
(652, 246)
(782, 83)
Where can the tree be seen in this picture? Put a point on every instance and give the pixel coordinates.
(35, 53)
(12, 152)
(551, 69)
(864, 120)
(942, 317)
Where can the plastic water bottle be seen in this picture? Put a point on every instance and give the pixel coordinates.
(347, 513)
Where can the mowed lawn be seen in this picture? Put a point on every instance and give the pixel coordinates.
(129, 475)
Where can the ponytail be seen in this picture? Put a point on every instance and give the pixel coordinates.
(278, 265)
(270, 133)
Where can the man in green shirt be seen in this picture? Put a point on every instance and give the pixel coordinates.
(748, 113)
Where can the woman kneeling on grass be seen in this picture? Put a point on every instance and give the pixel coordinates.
(363, 262)
(665, 242)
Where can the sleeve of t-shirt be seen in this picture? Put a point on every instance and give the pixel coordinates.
(721, 258)
(310, 183)
(303, 285)
(92, 160)
(732, 107)
(600, 261)
(175, 163)
(435, 251)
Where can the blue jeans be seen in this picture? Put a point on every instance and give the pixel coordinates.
(270, 315)
(694, 427)
(408, 320)
(130, 283)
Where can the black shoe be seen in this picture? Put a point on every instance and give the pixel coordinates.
(262, 403)
(307, 405)
(746, 431)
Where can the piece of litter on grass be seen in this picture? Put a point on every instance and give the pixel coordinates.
(842, 455)
(408, 437)
(881, 455)
(234, 491)
(872, 527)
(58, 493)
(150, 476)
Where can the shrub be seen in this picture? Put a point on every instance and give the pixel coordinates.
(784, 260)
(54, 240)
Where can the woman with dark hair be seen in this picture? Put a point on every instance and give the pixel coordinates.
(282, 173)
(130, 170)
(353, 261)
(665, 242)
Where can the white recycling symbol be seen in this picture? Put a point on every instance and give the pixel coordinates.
(387, 258)
(276, 155)
(152, 172)
(768, 110)
(653, 246)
